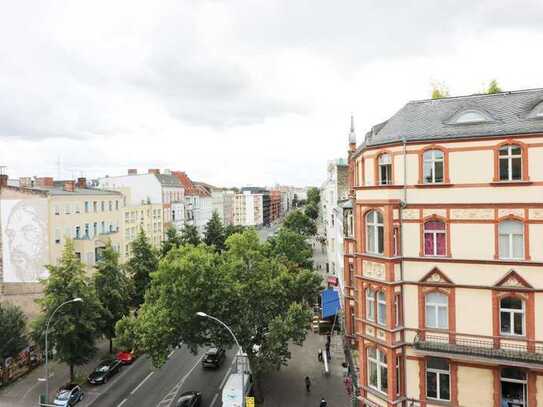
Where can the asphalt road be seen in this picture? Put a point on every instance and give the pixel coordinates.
(140, 385)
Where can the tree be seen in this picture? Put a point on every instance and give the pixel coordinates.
(125, 333)
(12, 331)
(300, 223)
(143, 262)
(113, 291)
(313, 195)
(295, 201)
(263, 301)
(229, 230)
(190, 235)
(493, 87)
(292, 247)
(214, 234)
(173, 239)
(312, 210)
(75, 326)
(439, 91)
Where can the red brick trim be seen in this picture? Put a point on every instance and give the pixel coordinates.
(377, 173)
(445, 152)
(437, 218)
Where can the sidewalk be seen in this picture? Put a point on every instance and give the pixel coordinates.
(286, 388)
(25, 391)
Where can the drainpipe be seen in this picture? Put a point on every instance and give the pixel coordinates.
(403, 204)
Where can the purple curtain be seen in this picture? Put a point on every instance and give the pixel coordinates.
(429, 238)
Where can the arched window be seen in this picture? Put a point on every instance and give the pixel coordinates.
(377, 369)
(385, 169)
(433, 166)
(375, 233)
(511, 240)
(470, 116)
(435, 241)
(511, 316)
(437, 310)
(510, 157)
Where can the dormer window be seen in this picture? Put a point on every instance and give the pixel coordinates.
(537, 112)
(470, 117)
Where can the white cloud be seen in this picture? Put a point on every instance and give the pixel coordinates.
(237, 92)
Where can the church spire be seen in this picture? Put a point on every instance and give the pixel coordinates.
(352, 134)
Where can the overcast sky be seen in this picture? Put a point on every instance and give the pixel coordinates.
(237, 92)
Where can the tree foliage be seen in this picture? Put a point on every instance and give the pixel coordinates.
(229, 230)
(295, 201)
(143, 262)
(125, 333)
(300, 223)
(263, 300)
(173, 239)
(493, 87)
(214, 233)
(113, 289)
(439, 91)
(313, 195)
(12, 331)
(292, 247)
(75, 326)
(190, 235)
(311, 210)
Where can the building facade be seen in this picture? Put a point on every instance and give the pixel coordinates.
(248, 209)
(443, 268)
(198, 202)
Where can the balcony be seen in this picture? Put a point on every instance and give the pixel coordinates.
(500, 349)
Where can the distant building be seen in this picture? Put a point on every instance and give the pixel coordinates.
(198, 202)
(248, 209)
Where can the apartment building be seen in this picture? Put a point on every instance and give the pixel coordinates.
(275, 205)
(38, 215)
(198, 202)
(334, 193)
(261, 206)
(443, 267)
(248, 209)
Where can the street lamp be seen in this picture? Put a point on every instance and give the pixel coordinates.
(47, 344)
(204, 315)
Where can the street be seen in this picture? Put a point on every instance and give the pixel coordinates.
(140, 384)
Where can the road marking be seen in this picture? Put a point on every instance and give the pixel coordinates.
(141, 383)
(171, 353)
(169, 398)
(122, 402)
(214, 400)
(226, 377)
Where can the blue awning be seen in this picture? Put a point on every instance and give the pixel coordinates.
(330, 302)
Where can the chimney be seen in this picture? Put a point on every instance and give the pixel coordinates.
(44, 182)
(132, 171)
(82, 182)
(69, 186)
(155, 171)
(3, 180)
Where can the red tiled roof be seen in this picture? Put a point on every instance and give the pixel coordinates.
(190, 187)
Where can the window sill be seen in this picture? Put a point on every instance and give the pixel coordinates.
(439, 402)
(513, 337)
(436, 185)
(510, 183)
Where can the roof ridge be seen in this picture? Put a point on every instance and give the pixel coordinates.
(474, 95)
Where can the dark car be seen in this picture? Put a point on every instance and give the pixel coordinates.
(214, 357)
(189, 399)
(68, 395)
(104, 371)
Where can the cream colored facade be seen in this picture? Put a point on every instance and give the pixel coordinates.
(147, 217)
(444, 282)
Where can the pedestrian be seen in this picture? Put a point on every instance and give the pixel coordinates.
(328, 339)
(307, 384)
(323, 403)
(319, 355)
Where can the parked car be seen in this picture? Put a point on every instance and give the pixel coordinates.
(68, 395)
(126, 357)
(214, 357)
(104, 371)
(189, 399)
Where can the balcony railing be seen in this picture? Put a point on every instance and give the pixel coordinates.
(497, 348)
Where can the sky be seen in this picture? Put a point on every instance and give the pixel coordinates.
(237, 92)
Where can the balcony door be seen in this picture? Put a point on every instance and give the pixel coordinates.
(514, 387)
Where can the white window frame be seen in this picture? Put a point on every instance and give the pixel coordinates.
(385, 162)
(434, 234)
(510, 239)
(512, 312)
(434, 307)
(429, 156)
(370, 304)
(438, 373)
(509, 157)
(373, 222)
(379, 364)
(381, 308)
(523, 382)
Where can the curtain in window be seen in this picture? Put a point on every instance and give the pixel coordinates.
(434, 238)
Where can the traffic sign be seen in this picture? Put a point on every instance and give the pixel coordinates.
(249, 402)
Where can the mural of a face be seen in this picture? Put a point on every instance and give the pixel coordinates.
(25, 240)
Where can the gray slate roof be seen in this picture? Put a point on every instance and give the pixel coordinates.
(508, 113)
(168, 180)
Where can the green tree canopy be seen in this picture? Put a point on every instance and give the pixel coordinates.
(300, 223)
(439, 91)
(143, 262)
(75, 326)
(125, 334)
(229, 230)
(12, 331)
(190, 235)
(312, 210)
(295, 201)
(313, 195)
(264, 302)
(493, 87)
(173, 239)
(214, 233)
(291, 246)
(113, 289)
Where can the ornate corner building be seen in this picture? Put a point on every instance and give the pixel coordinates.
(443, 264)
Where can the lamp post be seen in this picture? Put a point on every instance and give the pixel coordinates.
(204, 315)
(47, 344)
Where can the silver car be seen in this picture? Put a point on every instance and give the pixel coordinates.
(68, 395)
